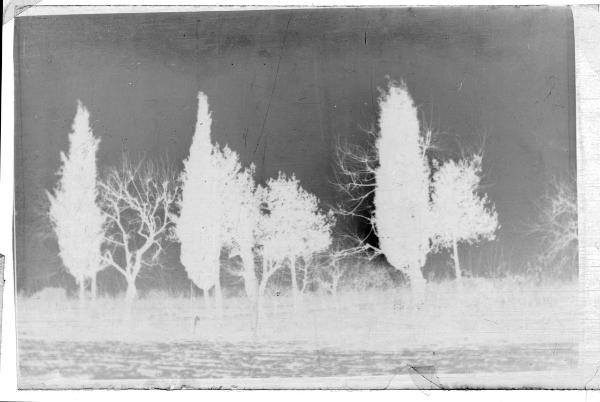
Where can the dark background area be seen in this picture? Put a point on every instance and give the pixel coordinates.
(284, 86)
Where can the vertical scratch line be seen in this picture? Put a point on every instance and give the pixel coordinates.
(264, 122)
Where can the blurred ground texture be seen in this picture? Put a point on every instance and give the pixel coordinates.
(491, 326)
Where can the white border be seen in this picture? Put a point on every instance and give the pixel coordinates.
(8, 366)
(587, 68)
(60, 7)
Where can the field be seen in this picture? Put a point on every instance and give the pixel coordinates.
(492, 325)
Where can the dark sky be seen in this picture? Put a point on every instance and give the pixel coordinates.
(285, 85)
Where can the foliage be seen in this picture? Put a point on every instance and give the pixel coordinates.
(402, 184)
(241, 213)
(218, 209)
(74, 213)
(353, 273)
(363, 277)
(222, 208)
(291, 225)
(460, 213)
(414, 211)
(199, 224)
(396, 171)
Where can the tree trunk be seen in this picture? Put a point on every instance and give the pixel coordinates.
(293, 262)
(304, 279)
(335, 282)
(250, 285)
(250, 281)
(259, 313)
(218, 298)
(81, 288)
(205, 298)
(93, 285)
(131, 292)
(457, 270)
(260, 301)
(417, 286)
(262, 288)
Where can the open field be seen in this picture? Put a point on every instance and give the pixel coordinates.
(198, 360)
(501, 325)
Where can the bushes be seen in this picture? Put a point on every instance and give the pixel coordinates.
(51, 295)
(363, 277)
(357, 274)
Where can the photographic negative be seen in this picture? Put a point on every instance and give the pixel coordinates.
(297, 198)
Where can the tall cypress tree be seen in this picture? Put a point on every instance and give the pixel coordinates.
(74, 212)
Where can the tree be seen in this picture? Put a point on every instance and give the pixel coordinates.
(292, 227)
(395, 172)
(139, 202)
(74, 212)
(344, 253)
(460, 212)
(410, 216)
(241, 218)
(199, 222)
(218, 209)
(402, 210)
(557, 227)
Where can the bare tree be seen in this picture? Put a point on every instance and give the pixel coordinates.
(460, 212)
(330, 274)
(73, 211)
(335, 263)
(139, 202)
(557, 227)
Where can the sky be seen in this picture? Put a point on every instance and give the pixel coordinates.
(286, 86)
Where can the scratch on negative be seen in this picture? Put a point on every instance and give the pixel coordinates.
(427, 378)
(262, 129)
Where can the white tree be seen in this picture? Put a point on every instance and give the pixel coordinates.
(218, 209)
(557, 226)
(402, 209)
(139, 202)
(461, 214)
(336, 263)
(291, 227)
(199, 222)
(242, 214)
(396, 173)
(74, 213)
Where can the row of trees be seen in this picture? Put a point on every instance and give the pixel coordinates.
(123, 219)
(222, 208)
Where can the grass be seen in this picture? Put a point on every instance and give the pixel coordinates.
(487, 312)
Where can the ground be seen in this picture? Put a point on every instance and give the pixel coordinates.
(493, 325)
